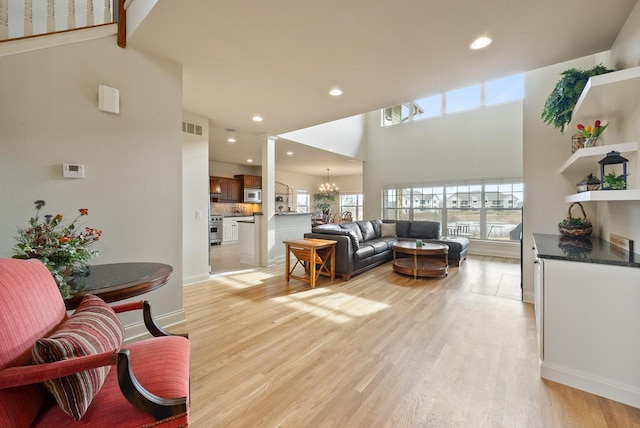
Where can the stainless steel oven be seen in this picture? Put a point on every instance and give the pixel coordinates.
(215, 229)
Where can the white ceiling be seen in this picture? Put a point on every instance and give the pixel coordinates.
(280, 58)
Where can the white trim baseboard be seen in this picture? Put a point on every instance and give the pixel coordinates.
(190, 280)
(510, 249)
(603, 387)
(138, 330)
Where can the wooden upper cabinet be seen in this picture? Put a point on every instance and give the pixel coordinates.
(225, 189)
(250, 181)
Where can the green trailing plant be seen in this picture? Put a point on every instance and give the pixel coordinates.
(559, 106)
(575, 221)
(614, 181)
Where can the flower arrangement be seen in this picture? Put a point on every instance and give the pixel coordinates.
(592, 131)
(62, 248)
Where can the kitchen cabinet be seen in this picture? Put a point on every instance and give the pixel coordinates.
(230, 228)
(229, 189)
(250, 181)
(587, 316)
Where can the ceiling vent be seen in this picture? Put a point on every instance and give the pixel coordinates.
(191, 128)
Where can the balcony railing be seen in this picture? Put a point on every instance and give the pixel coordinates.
(27, 18)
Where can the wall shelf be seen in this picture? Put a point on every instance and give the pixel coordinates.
(586, 160)
(605, 195)
(609, 95)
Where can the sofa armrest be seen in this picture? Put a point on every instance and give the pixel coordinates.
(149, 322)
(26, 375)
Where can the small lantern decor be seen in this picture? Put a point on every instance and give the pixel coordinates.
(587, 184)
(609, 179)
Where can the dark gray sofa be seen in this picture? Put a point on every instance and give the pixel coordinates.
(362, 245)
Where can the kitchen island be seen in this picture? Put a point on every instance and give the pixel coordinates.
(288, 226)
(587, 296)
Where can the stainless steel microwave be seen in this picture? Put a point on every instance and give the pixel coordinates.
(253, 196)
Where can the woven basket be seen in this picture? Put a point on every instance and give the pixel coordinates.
(576, 229)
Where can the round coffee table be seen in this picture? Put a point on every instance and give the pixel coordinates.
(429, 260)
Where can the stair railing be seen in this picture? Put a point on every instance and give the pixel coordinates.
(28, 18)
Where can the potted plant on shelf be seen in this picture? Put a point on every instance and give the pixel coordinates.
(559, 106)
(612, 181)
(577, 227)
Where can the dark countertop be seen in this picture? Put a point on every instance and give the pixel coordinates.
(246, 221)
(587, 250)
(291, 213)
(237, 215)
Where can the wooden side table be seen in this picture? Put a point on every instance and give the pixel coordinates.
(313, 255)
(119, 281)
(427, 261)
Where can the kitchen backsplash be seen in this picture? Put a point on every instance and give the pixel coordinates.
(222, 208)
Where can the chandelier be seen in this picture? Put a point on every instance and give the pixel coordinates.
(327, 189)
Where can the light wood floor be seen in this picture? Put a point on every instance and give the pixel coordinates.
(380, 350)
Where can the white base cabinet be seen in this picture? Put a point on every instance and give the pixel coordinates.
(588, 316)
(230, 228)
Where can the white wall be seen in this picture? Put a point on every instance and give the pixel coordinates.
(345, 136)
(133, 161)
(545, 149)
(195, 202)
(225, 169)
(480, 143)
(623, 218)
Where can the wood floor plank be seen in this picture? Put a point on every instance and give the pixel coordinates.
(379, 350)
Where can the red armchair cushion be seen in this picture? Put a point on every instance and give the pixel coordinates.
(161, 365)
(93, 328)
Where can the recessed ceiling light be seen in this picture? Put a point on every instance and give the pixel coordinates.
(480, 42)
(249, 160)
(231, 140)
(335, 92)
(289, 153)
(257, 119)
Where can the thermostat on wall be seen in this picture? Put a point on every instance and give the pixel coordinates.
(72, 170)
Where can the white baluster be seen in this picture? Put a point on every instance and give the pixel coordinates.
(71, 17)
(51, 16)
(107, 11)
(4, 19)
(28, 18)
(89, 13)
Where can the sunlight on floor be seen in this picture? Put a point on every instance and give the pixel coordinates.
(340, 307)
(242, 279)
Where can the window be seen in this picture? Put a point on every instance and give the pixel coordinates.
(483, 209)
(353, 204)
(302, 201)
(505, 89)
(463, 99)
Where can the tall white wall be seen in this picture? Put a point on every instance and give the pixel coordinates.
(480, 143)
(623, 218)
(545, 150)
(133, 161)
(195, 202)
(344, 136)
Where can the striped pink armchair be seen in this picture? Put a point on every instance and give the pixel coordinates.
(57, 370)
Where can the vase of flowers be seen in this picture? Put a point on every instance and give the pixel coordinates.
(592, 133)
(63, 248)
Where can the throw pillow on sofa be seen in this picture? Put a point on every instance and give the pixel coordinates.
(388, 230)
(93, 328)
